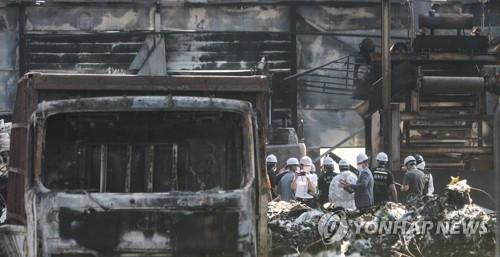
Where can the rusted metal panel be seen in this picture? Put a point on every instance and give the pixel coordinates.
(75, 82)
(18, 163)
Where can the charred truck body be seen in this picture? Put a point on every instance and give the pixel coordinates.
(106, 165)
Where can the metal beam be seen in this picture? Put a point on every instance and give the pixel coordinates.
(104, 168)
(396, 133)
(315, 68)
(497, 168)
(448, 150)
(386, 77)
(292, 19)
(376, 58)
(23, 45)
(47, 81)
(456, 117)
(128, 171)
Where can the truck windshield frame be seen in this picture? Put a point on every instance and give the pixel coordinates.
(240, 111)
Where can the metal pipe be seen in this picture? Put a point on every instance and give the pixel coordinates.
(386, 76)
(292, 19)
(315, 68)
(23, 45)
(497, 168)
(128, 171)
(104, 168)
(438, 84)
(446, 21)
(457, 117)
(338, 144)
(448, 150)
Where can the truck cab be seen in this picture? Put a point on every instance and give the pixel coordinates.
(140, 166)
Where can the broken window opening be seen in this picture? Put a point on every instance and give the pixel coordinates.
(132, 152)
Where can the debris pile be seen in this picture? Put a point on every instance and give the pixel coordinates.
(445, 225)
(293, 227)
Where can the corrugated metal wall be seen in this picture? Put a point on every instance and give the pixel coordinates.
(84, 53)
(227, 51)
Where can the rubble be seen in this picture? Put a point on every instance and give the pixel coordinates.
(454, 206)
(293, 227)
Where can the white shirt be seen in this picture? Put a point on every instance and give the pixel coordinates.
(338, 195)
(302, 188)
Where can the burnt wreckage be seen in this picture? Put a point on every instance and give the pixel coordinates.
(116, 165)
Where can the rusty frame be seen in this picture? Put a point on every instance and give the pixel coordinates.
(150, 83)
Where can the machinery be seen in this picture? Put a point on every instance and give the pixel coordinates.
(444, 87)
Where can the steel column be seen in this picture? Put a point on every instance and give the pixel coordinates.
(395, 154)
(293, 64)
(497, 168)
(386, 76)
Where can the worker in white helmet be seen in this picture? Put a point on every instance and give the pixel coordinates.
(428, 180)
(325, 179)
(413, 180)
(337, 195)
(363, 188)
(284, 180)
(272, 164)
(383, 178)
(304, 185)
(314, 175)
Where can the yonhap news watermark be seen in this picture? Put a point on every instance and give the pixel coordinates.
(335, 226)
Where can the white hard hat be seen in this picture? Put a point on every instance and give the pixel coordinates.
(306, 161)
(313, 168)
(343, 162)
(271, 159)
(292, 161)
(361, 157)
(328, 161)
(382, 157)
(409, 159)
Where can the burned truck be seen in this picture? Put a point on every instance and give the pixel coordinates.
(123, 165)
